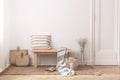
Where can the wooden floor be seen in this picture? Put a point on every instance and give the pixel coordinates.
(106, 73)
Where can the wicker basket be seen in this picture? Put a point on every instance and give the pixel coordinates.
(14, 54)
(22, 60)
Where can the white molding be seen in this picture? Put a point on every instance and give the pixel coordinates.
(117, 30)
(94, 6)
(2, 69)
(92, 32)
(118, 1)
(97, 25)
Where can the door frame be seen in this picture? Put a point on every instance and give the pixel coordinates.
(93, 6)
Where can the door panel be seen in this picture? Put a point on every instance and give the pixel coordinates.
(105, 33)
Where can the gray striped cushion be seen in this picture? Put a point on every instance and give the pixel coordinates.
(41, 42)
(61, 56)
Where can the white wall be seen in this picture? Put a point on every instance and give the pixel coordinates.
(65, 20)
(1, 34)
(4, 57)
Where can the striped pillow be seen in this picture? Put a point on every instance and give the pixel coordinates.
(41, 42)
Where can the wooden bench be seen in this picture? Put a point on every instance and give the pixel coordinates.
(43, 52)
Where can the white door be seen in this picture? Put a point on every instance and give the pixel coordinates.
(106, 33)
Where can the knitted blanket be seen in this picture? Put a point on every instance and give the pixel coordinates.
(62, 66)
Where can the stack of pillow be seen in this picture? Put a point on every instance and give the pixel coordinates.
(41, 41)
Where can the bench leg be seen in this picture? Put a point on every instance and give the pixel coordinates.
(35, 60)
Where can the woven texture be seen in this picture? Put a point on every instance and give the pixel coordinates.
(107, 73)
(15, 53)
(22, 60)
(13, 70)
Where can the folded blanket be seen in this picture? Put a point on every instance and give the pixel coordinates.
(62, 66)
(65, 71)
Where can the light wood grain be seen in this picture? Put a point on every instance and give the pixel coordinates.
(35, 60)
(43, 52)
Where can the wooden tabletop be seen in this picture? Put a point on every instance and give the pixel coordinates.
(48, 50)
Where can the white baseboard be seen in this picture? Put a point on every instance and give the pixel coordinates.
(2, 69)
